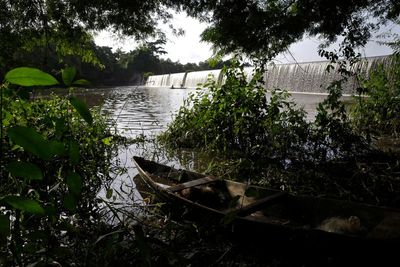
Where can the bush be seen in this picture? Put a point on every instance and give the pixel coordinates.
(238, 117)
(378, 106)
(55, 157)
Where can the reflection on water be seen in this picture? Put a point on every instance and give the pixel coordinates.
(140, 110)
(134, 110)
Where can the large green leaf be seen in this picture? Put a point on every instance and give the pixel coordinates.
(82, 109)
(25, 170)
(30, 77)
(34, 143)
(74, 182)
(24, 204)
(74, 152)
(29, 139)
(68, 75)
(55, 148)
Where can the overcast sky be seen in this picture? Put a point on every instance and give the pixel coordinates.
(189, 48)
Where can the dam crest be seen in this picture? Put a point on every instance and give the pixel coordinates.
(308, 77)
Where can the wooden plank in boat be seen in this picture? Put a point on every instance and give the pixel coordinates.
(189, 184)
(259, 204)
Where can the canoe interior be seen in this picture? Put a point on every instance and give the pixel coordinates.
(299, 212)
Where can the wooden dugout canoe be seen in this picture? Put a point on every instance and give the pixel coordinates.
(271, 214)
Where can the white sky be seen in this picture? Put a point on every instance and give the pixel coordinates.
(186, 48)
(189, 48)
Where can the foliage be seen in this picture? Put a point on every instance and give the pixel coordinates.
(237, 116)
(52, 166)
(378, 106)
(29, 76)
(275, 146)
(253, 27)
(333, 134)
(117, 68)
(265, 28)
(57, 30)
(25, 25)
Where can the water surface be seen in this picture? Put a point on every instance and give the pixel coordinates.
(137, 111)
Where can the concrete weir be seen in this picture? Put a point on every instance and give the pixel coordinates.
(310, 77)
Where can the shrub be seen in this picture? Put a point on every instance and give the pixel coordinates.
(238, 117)
(55, 157)
(378, 106)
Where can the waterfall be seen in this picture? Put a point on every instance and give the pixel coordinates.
(302, 77)
(193, 79)
(310, 77)
(249, 72)
(158, 80)
(177, 80)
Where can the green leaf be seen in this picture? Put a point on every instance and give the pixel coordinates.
(61, 127)
(4, 225)
(24, 204)
(68, 75)
(107, 140)
(34, 143)
(29, 139)
(109, 193)
(74, 152)
(30, 77)
(82, 109)
(74, 182)
(81, 82)
(25, 170)
(55, 148)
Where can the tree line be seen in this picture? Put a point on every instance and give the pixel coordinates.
(108, 67)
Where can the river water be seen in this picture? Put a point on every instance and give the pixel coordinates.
(147, 111)
(138, 111)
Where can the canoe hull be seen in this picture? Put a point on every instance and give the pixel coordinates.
(291, 218)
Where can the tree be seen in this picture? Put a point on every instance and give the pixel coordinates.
(266, 28)
(65, 25)
(261, 28)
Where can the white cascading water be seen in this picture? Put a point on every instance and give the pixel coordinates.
(249, 72)
(313, 78)
(193, 79)
(177, 80)
(302, 77)
(158, 80)
(310, 77)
